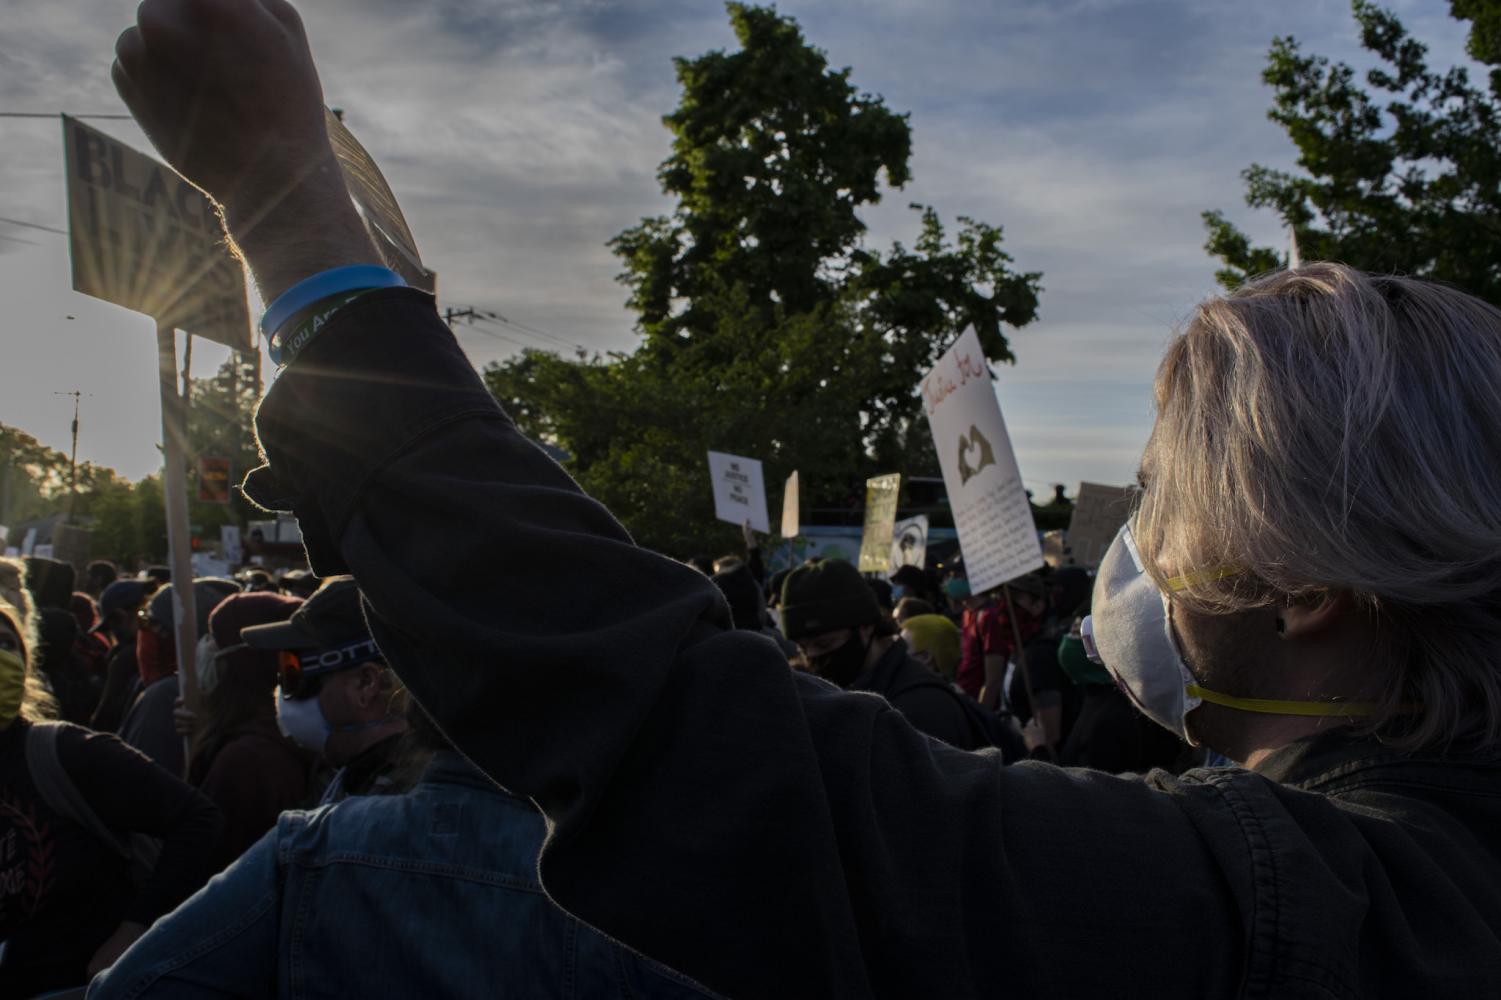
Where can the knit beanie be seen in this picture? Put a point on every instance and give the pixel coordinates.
(826, 595)
(49, 580)
(936, 636)
(240, 611)
(208, 591)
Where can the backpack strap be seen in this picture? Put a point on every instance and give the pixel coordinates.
(57, 789)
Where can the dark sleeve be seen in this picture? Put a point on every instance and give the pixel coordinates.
(851, 854)
(120, 671)
(130, 794)
(757, 565)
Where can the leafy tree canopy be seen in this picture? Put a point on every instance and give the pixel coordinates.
(768, 327)
(1399, 174)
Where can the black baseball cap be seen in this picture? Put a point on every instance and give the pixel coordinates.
(330, 619)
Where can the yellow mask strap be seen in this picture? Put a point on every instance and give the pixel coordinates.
(1270, 706)
(1177, 583)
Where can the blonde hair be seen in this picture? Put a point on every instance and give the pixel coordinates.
(16, 606)
(1323, 430)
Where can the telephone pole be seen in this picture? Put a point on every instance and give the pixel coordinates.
(449, 315)
(73, 455)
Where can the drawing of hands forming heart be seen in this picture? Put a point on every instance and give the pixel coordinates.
(974, 454)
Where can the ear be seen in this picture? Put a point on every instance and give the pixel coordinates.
(367, 684)
(1309, 617)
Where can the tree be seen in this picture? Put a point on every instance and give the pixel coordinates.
(221, 424)
(1402, 177)
(768, 327)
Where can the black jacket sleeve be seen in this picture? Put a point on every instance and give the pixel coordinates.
(130, 794)
(751, 827)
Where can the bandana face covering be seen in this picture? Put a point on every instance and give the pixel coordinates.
(842, 664)
(156, 655)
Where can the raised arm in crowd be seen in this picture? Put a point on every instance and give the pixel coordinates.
(770, 835)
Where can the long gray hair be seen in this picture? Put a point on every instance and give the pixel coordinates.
(1322, 430)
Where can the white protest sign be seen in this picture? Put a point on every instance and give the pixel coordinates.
(231, 546)
(739, 490)
(142, 237)
(1099, 512)
(991, 511)
(880, 516)
(790, 508)
(909, 542)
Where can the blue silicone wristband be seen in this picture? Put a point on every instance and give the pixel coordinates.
(323, 285)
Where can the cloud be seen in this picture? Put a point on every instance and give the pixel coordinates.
(521, 136)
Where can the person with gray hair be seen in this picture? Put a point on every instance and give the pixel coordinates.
(1310, 586)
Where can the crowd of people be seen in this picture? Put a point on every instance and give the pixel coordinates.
(598, 770)
(131, 800)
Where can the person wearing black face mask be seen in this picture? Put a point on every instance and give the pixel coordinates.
(832, 615)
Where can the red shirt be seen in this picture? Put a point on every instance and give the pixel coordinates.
(985, 632)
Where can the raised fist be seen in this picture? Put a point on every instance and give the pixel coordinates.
(227, 91)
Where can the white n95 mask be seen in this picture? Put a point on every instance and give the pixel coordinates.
(1129, 632)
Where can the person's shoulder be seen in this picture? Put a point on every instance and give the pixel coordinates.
(74, 741)
(460, 825)
(98, 758)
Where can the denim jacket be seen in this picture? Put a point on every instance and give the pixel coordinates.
(429, 894)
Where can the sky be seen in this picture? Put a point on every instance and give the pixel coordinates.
(520, 137)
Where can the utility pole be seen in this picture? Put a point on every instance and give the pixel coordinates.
(73, 455)
(449, 315)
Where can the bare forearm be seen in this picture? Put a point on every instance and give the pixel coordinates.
(308, 226)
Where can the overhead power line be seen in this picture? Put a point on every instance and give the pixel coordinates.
(57, 114)
(33, 225)
(471, 316)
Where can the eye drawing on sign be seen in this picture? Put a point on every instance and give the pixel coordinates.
(973, 446)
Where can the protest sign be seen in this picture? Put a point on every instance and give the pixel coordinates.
(142, 237)
(213, 480)
(880, 518)
(230, 547)
(909, 543)
(206, 565)
(790, 508)
(991, 510)
(377, 206)
(739, 490)
(1099, 512)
